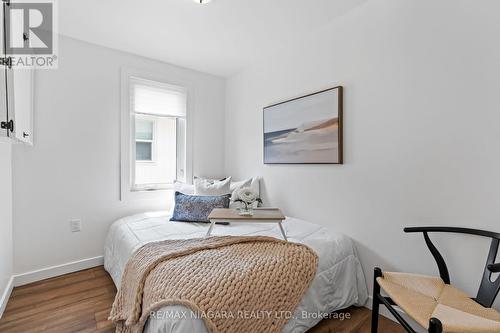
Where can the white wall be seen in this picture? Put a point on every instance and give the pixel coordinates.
(72, 171)
(5, 221)
(422, 80)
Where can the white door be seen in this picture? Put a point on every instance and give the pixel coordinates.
(20, 97)
(22, 82)
(3, 75)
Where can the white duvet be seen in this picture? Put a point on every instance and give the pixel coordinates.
(339, 280)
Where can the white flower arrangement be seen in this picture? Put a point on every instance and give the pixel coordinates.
(247, 197)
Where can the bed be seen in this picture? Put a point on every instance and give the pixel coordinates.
(339, 280)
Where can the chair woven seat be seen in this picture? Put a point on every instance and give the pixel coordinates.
(423, 297)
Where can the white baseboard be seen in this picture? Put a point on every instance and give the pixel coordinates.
(53, 271)
(6, 295)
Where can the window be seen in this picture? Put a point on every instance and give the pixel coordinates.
(144, 139)
(158, 134)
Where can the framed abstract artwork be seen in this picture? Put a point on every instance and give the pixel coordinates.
(305, 130)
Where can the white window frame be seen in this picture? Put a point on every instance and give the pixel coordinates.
(127, 132)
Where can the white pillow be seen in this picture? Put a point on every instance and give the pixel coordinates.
(253, 183)
(183, 188)
(203, 186)
(241, 184)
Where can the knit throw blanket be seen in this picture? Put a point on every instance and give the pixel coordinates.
(235, 284)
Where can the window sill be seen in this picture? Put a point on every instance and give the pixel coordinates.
(146, 195)
(145, 162)
(168, 187)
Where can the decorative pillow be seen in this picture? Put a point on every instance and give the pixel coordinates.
(196, 208)
(211, 187)
(253, 183)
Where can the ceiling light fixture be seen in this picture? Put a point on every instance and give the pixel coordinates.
(202, 2)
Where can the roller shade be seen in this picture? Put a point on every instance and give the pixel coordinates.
(155, 98)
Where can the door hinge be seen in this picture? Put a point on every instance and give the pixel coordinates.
(8, 125)
(6, 61)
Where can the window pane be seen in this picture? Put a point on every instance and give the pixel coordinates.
(162, 170)
(143, 129)
(143, 151)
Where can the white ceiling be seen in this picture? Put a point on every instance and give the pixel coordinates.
(221, 38)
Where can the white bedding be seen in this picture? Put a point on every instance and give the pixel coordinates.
(339, 281)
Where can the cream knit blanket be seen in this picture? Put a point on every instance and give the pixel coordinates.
(235, 284)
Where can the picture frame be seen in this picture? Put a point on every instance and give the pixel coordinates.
(305, 130)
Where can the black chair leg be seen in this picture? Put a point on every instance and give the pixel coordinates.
(435, 326)
(376, 302)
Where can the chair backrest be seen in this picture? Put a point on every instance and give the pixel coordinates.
(488, 290)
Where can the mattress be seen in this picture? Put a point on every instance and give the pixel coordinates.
(338, 284)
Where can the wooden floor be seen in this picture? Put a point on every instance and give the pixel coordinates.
(80, 302)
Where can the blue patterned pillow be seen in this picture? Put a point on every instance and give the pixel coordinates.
(196, 208)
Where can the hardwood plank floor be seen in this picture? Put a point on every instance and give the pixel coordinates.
(81, 302)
